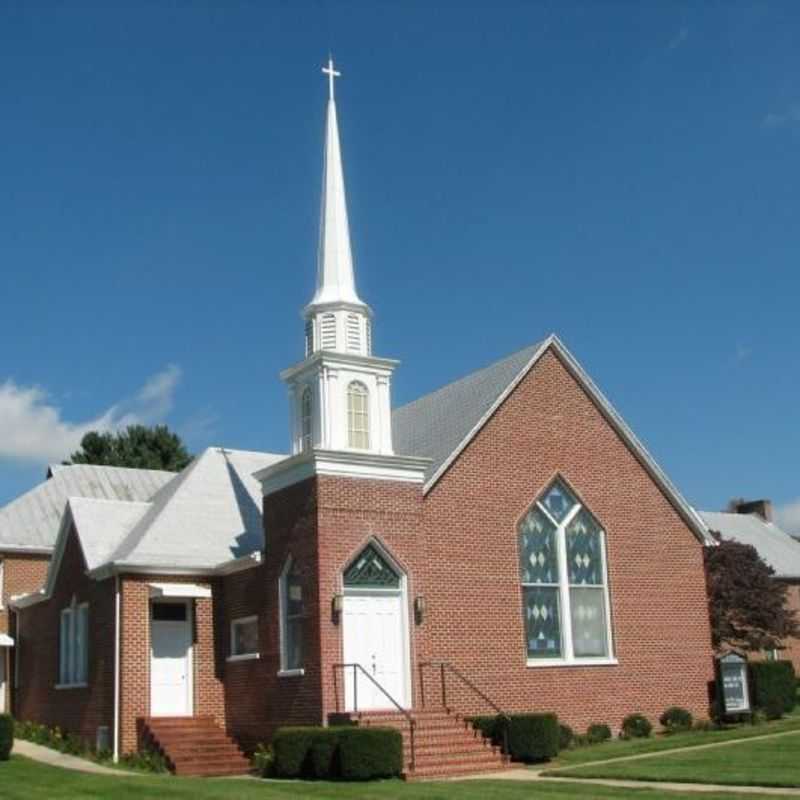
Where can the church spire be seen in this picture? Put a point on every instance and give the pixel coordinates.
(335, 277)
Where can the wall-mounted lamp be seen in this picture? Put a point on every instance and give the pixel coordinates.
(419, 609)
(337, 602)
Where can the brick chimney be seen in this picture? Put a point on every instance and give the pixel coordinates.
(761, 507)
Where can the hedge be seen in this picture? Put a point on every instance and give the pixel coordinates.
(6, 736)
(365, 753)
(346, 752)
(531, 737)
(598, 732)
(774, 686)
(636, 726)
(676, 719)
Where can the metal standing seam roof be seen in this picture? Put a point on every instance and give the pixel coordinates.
(436, 424)
(32, 520)
(774, 545)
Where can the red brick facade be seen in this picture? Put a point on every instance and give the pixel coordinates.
(458, 546)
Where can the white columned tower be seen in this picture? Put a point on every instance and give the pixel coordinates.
(340, 394)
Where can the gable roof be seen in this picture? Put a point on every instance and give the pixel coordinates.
(441, 425)
(31, 522)
(775, 546)
(209, 515)
(436, 424)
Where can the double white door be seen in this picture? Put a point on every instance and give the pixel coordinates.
(374, 637)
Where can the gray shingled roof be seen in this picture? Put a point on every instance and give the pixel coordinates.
(436, 424)
(776, 547)
(32, 520)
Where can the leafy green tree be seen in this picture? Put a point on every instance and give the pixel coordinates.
(137, 446)
(746, 603)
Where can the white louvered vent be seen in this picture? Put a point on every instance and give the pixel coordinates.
(353, 333)
(309, 337)
(328, 331)
(368, 329)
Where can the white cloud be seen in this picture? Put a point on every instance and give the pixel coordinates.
(789, 117)
(788, 517)
(33, 430)
(679, 38)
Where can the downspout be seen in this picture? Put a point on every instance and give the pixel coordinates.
(116, 668)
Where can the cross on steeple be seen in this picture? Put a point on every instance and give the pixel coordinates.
(331, 73)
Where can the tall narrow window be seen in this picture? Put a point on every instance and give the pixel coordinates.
(293, 616)
(73, 662)
(564, 580)
(309, 337)
(358, 416)
(306, 419)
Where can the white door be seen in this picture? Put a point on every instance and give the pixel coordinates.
(374, 637)
(171, 662)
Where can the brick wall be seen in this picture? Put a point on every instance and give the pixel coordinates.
(81, 710)
(22, 574)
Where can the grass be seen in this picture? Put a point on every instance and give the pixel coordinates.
(633, 747)
(767, 762)
(21, 779)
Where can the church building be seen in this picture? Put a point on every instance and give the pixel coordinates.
(503, 543)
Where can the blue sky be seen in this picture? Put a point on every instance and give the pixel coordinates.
(623, 174)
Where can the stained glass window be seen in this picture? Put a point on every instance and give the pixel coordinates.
(563, 575)
(371, 570)
(293, 611)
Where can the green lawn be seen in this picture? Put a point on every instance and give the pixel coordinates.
(21, 779)
(619, 749)
(767, 762)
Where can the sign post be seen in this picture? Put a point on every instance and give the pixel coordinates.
(734, 685)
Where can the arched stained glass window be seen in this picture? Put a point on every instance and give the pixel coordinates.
(564, 579)
(370, 570)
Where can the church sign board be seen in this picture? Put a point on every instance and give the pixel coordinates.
(734, 685)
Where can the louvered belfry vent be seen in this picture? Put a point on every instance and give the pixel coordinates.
(328, 331)
(353, 333)
(309, 337)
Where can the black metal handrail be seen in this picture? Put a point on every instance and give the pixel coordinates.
(412, 723)
(446, 666)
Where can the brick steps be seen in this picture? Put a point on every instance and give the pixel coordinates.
(445, 744)
(194, 746)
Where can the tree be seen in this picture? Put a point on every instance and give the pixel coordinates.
(746, 603)
(137, 446)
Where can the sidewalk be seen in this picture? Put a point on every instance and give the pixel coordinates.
(46, 755)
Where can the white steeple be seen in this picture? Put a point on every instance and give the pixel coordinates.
(340, 394)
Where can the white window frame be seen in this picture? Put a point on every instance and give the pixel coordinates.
(568, 657)
(285, 670)
(73, 661)
(234, 656)
(306, 419)
(357, 389)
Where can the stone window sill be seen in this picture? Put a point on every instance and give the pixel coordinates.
(291, 673)
(576, 662)
(244, 657)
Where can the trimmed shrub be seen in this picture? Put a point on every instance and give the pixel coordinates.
(774, 687)
(292, 749)
(533, 737)
(323, 753)
(145, 760)
(264, 761)
(597, 733)
(676, 719)
(365, 753)
(636, 726)
(565, 736)
(6, 736)
(490, 727)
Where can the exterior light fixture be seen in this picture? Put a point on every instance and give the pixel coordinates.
(419, 609)
(337, 602)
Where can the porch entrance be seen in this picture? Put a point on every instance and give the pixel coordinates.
(375, 633)
(171, 659)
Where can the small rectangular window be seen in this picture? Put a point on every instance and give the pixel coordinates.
(244, 636)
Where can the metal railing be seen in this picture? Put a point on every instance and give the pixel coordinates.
(412, 723)
(443, 668)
